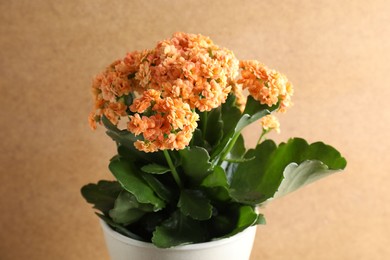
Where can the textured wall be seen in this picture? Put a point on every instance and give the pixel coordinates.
(335, 52)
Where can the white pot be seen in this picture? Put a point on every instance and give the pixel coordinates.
(237, 247)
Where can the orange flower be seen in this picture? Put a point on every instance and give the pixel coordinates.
(179, 141)
(240, 98)
(92, 119)
(143, 75)
(163, 122)
(141, 104)
(160, 90)
(145, 146)
(193, 68)
(270, 122)
(137, 125)
(265, 85)
(155, 128)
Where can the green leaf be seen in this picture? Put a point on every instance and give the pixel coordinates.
(179, 230)
(331, 157)
(260, 220)
(195, 163)
(296, 176)
(129, 177)
(126, 153)
(220, 225)
(119, 228)
(216, 185)
(256, 181)
(122, 137)
(239, 160)
(160, 189)
(127, 209)
(148, 223)
(253, 112)
(246, 217)
(246, 182)
(197, 140)
(195, 205)
(155, 168)
(230, 114)
(216, 179)
(214, 129)
(297, 150)
(102, 195)
(235, 156)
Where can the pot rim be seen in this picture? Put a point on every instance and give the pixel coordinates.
(214, 243)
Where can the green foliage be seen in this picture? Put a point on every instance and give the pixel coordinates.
(158, 187)
(246, 217)
(212, 128)
(230, 114)
(195, 163)
(237, 152)
(216, 185)
(253, 112)
(210, 189)
(119, 228)
(129, 177)
(154, 168)
(194, 204)
(179, 230)
(296, 176)
(127, 209)
(258, 180)
(102, 195)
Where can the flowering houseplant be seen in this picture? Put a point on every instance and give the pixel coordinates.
(183, 174)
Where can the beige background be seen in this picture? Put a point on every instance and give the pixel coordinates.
(335, 52)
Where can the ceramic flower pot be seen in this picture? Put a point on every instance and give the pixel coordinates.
(124, 248)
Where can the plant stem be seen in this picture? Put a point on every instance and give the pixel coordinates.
(262, 135)
(230, 146)
(172, 167)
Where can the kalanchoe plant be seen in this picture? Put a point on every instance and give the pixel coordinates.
(183, 174)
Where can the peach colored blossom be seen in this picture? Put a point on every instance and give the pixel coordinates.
(169, 117)
(160, 91)
(92, 120)
(240, 98)
(270, 122)
(267, 86)
(146, 146)
(185, 66)
(137, 125)
(111, 115)
(141, 104)
(143, 74)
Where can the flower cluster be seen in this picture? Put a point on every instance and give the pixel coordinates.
(160, 92)
(169, 126)
(270, 122)
(265, 85)
(193, 68)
